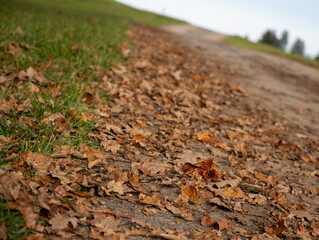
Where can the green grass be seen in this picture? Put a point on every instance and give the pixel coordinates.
(244, 43)
(109, 8)
(15, 224)
(53, 34)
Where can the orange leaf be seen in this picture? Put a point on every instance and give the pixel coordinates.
(284, 148)
(272, 132)
(203, 137)
(222, 224)
(88, 98)
(22, 159)
(277, 227)
(191, 193)
(140, 138)
(316, 192)
(307, 159)
(206, 221)
(61, 123)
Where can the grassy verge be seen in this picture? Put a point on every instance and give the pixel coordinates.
(244, 43)
(50, 53)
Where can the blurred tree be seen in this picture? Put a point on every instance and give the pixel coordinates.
(298, 47)
(270, 38)
(317, 58)
(282, 43)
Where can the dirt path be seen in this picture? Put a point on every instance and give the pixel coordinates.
(283, 85)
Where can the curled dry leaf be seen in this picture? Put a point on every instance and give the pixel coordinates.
(308, 159)
(208, 169)
(206, 138)
(21, 160)
(133, 179)
(179, 211)
(276, 228)
(222, 224)
(207, 221)
(154, 200)
(88, 99)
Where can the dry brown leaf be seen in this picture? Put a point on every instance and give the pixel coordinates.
(206, 138)
(234, 193)
(276, 228)
(115, 186)
(39, 163)
(303, 111)
(179, 211)
(115, 129)
(154, 200)
(3, 231)
(207, 221)
(25, 205)
(88, 99)
(207, 168)
(19, 31)
(33, 88)
(61, 222)
(222, 224)
(102, 222)
(308, 159)
(153, 167)
(111, 145)
(21, 160)
(315, 227)
(284, 148)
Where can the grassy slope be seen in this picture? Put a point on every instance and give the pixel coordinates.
(65, 40)
(110, 8)
(244, 43)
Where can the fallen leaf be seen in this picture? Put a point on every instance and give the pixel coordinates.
(303, 111)
(88, 99)
(39, 163)
(154, 200)
(61, 222)
(206, 138)
(284, 148)
(222, 224)
(153, 167)
(25, 205)
(179, 211)
(19, 31)
(232, 193)
(207, 168)
(207, 221)
(102, 222)
(276, 228)
(3, 231)
(308, 159)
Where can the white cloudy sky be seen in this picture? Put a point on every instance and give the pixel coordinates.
(245, 17)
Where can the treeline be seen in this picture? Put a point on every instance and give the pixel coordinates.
(270, 37)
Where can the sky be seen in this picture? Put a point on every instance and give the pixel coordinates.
(245, 17)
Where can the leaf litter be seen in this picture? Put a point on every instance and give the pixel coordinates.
(172, 162)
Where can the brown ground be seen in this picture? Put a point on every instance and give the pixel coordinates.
(201, 141)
